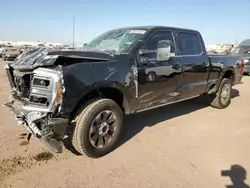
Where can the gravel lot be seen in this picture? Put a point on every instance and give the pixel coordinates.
(186, 145)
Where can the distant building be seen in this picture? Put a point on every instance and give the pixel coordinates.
(220, 47)
(25, 43)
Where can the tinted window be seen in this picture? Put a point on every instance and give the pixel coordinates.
(151, 44)
(189, 44)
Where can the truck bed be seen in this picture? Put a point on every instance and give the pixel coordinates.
(227, 61)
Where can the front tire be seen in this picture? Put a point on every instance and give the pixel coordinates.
(222, 98)
(97, 128)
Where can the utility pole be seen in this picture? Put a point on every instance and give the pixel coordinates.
(73, 32)
(236, 40)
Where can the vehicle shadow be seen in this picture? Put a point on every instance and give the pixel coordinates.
(135, 123)
(235, 93)
(237, 174)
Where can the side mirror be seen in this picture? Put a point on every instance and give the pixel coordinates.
(164, 50)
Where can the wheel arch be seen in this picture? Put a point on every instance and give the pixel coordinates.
(230, 74)
(111, 90)
(227, 73)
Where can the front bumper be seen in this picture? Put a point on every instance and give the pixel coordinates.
(50, 131)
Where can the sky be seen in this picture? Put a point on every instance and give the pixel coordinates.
(219, 21)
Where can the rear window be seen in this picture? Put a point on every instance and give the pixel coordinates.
(189, 44)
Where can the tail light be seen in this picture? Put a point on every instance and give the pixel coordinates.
(242, 67)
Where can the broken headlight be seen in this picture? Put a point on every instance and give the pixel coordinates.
(46, 89)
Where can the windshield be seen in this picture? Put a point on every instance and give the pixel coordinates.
(117, 41)
(242, 50)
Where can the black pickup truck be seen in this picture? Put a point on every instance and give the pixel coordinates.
(85, 94)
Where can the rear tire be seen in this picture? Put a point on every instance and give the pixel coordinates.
(94, 134)
(222, 98)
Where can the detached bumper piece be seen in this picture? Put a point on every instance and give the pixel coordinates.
(41, 125)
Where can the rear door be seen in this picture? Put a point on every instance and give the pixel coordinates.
(195, 75)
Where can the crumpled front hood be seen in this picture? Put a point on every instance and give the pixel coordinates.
(46, 57)
(28, 61)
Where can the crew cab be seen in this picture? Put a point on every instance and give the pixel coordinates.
(85, 94)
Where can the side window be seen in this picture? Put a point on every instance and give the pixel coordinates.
(189, 44)
(151, 44)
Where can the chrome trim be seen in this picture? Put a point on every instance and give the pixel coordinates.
(135, 75)
(37, 109)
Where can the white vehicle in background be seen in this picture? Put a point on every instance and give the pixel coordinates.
(2, 47)
(243, 49)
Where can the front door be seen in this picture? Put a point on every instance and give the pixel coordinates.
(158, 82)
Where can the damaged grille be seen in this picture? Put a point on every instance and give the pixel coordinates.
(34, 89)
(39, 100)
(38, 88)
(22, 84)
(19, 82)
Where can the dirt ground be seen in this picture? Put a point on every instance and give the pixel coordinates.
(187, 145)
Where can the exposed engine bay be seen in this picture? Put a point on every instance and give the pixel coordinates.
(39, 100)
